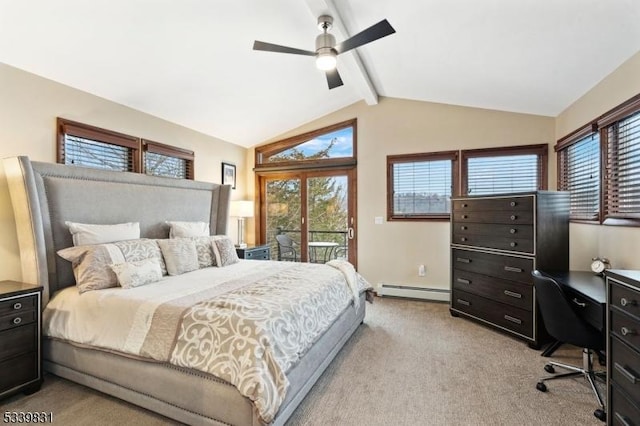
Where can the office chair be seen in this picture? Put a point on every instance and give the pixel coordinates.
(286, 248)
(563, 324)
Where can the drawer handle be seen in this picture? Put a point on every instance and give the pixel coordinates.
(463, 281)
(17, 306)
(17, 320)
(513, 217)
(625, 302)
(513, 319)
(581, 304)
(463, 228)
(513, 230)
(464, 302)
(513, 204)
(626, 373)
(513, 294)
(623, 419)
(463, 239)
(627, 331)
(512, 269)
(465, 205)
(513, 244)
(464, 216)
(463, 260)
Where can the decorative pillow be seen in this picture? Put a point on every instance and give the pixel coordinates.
(180, 255)
(135, 274)
(91, 263)
(204, 247)
(84, 233)
(224, 251)
(188, 229)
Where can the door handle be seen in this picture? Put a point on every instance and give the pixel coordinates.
(351, 233)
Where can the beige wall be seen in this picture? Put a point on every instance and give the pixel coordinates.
(391, 252)
(29, 106)
(620, 245)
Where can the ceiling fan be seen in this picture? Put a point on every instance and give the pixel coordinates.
(326, 48)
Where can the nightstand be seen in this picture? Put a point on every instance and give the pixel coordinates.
(20, 341)
(254, 252)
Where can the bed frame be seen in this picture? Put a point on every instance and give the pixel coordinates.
(45, 195)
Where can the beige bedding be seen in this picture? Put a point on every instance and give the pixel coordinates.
(247, 323)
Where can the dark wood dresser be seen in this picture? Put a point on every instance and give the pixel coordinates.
(254, 252)
(496, 241)
(20, 341)
(623, 347)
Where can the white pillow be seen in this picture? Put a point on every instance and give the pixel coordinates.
(135, 274)
(180, 255)
(188, 229)
(84, 234)
(224, 250)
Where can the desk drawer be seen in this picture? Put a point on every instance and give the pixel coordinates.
(506, 316)
(494, 204)
(624, 298)
(625, 368)
(622, 411)
(17, 305)
(593, 312)
(625, 328)
(510, 292)
(495, 265)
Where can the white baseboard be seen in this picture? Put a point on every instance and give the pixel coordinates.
(412, 292)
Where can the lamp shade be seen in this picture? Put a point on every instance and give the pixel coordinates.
(241, 209)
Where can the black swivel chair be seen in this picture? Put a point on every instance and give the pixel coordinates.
(562, 323)
(286, 248)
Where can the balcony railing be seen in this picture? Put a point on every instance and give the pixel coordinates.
(328, 244)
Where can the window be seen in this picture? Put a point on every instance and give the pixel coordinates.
(88, 146)
(420, 186)
(579, 173)
(504, 170)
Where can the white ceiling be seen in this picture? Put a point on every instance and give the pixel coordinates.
(191, 61)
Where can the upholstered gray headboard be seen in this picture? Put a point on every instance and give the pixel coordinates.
(45, 195)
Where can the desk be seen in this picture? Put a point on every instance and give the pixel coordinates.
(588, 295)
(328, 250)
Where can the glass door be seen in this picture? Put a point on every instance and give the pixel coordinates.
(281, 215)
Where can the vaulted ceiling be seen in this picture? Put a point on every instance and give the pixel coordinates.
(191, 61)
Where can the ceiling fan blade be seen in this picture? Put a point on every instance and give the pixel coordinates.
(269, 47)
(374, 32)
(333, 78)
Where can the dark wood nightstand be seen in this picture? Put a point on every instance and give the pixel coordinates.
(20, 341)
(254, 252)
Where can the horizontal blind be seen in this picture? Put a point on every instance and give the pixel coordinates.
(502, 174)
(84, 152)
(622, 196)
(580, 175)
(422, 187)
(163, 165)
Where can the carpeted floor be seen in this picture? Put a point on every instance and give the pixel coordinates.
(411, 363)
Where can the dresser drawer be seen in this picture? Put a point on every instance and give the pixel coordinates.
(495, 265)
(509, 317)
(17, 320)
(516, 204)
(625, 328)
(18, 304)
(522, 232)
(494, 241)
(624, 299)
(625, 371)
(622, 411)
(18, 340)
(505, 217)
(510, 292)
(18, 371)
(257, 254)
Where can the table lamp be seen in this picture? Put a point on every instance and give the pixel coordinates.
(241, 209)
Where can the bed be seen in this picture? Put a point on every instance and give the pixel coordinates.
(45, 196)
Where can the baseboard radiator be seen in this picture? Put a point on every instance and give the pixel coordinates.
(411, 292)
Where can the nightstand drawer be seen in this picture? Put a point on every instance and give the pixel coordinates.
(18, 371)
(18, 340)
(257, 254)
(17, 320)
(17, 304)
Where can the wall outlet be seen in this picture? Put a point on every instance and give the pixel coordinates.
(422, 271)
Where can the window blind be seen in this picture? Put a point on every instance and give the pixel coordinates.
(163, 165)
(422, 187)
(622, 193)
(92, 153)
(579, 173)
(502, 174)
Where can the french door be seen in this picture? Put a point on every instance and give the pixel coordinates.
(315, 210)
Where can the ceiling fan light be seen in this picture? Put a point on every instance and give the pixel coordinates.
(326, 59)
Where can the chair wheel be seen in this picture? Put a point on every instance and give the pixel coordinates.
(549, 369)
(542, 387)
(600, 415)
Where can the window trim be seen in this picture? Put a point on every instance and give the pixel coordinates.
(169, 151)
(541, 150)
(413, 158)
